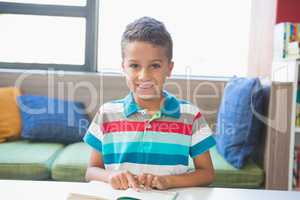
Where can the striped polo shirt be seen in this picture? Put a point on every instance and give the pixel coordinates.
(129, 139)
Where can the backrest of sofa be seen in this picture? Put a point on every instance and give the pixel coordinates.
(93, 89)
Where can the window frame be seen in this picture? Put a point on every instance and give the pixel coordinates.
(90, 12)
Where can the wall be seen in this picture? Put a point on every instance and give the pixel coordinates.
(261, 38)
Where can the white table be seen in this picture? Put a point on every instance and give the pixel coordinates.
(50, 190)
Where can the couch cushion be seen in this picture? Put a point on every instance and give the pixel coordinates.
(238, 127)
(249, 176)
(25, 160)
(10, 119)
(52, 120)
(71, 163)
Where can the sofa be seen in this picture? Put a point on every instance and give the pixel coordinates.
(26, 160)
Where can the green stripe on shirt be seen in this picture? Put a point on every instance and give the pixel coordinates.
(145, 147)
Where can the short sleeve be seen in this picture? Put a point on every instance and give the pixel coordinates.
(202, 138)
(94, 134)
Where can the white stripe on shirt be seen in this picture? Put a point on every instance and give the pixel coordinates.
(150, 169)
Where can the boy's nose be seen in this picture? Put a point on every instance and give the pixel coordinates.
(144, 75)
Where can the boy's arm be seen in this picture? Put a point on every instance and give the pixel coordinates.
(95, 170)
(203, 174)
(117, 179)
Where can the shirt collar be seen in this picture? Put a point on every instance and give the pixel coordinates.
(171, 107)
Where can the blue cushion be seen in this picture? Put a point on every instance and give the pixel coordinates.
(52, 120)
(238, 127)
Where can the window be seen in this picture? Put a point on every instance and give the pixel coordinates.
(49, 34)
(210, 37)
(52, 2)
(24, 36)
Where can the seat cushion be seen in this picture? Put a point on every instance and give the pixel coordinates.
(25, 160)
(71, 163)
(249, 176)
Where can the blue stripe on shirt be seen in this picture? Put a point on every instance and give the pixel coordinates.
(94, 142)
(202, 146)
(144, 158)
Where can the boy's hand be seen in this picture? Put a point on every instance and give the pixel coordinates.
(145, 180)
(160, 182)
(152, 181)
(122, 180)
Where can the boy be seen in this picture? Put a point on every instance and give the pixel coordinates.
(145, 139)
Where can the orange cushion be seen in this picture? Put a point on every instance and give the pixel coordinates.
(10, 118)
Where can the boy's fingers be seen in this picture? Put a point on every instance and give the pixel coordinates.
(157, 183)
(123, 180)
(142, 179)
(132, 182)
(154, 182)
(149, 180)
(116, 182)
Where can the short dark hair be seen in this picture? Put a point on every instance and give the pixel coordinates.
(147, 29)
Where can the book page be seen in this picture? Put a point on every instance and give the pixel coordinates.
(148, 194)
(129, 194)
(76, 196)
(96, 190)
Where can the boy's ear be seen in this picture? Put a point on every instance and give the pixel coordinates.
(122, 65)
(170, 68)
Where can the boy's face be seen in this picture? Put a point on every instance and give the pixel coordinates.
(146, 67)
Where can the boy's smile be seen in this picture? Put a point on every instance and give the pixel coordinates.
(146, 67)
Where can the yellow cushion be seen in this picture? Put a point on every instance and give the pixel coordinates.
(10, 119)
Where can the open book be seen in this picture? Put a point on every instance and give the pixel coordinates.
(130, 194)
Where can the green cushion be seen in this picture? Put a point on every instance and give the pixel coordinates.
(25, 160)
(71, 163)
(250, 176)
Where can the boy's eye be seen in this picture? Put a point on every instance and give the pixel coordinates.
(133, 65)
(155, 65)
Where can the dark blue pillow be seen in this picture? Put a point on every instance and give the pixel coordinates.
(52, 120)
(238, 128)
